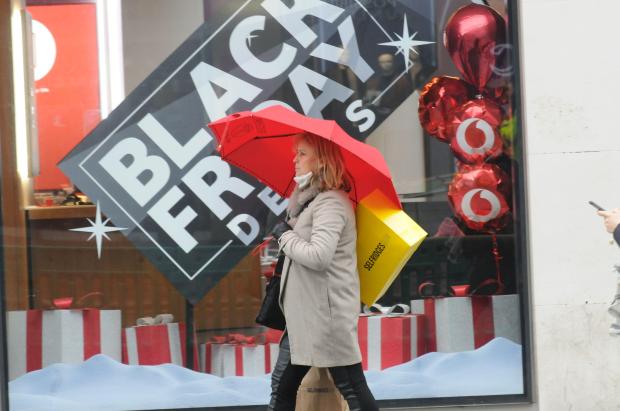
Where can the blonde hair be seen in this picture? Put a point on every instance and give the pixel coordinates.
(331, 173)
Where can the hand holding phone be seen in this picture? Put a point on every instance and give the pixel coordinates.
(611, 218)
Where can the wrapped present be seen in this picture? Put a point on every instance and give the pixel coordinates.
(38, 338)
(387, 340)
(386, 238)
(466, 323)
(270, 335)
(238, 355)
(153, 343)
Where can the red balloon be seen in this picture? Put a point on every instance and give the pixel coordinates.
(437, 99)
(473, 130)
(471, 37)
(479, 196)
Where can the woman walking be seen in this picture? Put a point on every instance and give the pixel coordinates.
(319, 289)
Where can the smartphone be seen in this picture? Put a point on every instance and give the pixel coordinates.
(598, 207)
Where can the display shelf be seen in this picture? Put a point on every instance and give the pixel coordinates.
(60, 212)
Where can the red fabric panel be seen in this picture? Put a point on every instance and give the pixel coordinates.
(482, 313)
(362, 336)
(91, 320)
(153, 346)
(395, 341)
(431, 327)
(34, 336)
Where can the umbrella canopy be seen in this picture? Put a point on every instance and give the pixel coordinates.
(262, 144)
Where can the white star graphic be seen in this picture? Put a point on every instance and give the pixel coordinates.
(406, 43)
(249, 38)
(98, 230)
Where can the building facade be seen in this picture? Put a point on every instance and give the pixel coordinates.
(121, 250)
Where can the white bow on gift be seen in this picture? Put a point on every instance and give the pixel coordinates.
(397, 309)
(159, 319)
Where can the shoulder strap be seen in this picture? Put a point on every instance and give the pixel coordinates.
(306, 204)
(303, 207)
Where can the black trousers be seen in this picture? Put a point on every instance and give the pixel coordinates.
(286, 378)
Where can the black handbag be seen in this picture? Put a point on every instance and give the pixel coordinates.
(270, 314)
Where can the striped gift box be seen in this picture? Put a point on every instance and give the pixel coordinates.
(389, 340)
(249, 360)
(38, 338)
(156, 344)
(465, 323)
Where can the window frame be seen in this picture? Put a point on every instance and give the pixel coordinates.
(521, 255)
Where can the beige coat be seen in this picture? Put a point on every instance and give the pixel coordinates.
(320, 293)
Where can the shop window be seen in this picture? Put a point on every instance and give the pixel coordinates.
(138, 255)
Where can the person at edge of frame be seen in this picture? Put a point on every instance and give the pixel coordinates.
(612, 225)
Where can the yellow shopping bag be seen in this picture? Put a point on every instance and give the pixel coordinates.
(386, 238)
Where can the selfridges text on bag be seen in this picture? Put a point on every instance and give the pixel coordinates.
(386, 238)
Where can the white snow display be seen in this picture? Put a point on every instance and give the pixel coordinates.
(102, 383)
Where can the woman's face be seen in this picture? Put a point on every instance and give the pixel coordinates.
(305, 159)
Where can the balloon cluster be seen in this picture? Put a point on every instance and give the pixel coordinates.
(467, 115)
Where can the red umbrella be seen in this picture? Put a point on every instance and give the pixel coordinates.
(261, 143)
